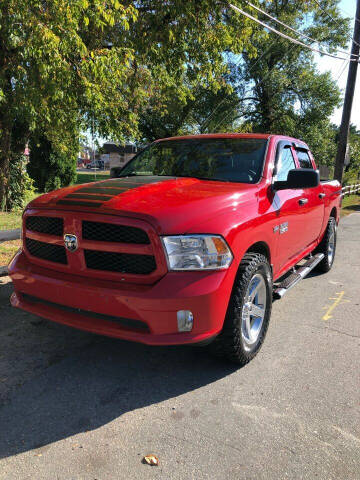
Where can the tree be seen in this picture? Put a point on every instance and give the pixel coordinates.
(199, 109)
(49, 167)
(352, 171)
(167, 115)
(67, 64)
(290, 96)
(21, 186)
(279, 90)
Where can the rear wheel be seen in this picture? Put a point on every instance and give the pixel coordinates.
(327, 246)
(249, 310)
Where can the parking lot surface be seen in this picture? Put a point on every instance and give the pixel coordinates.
(77, 406)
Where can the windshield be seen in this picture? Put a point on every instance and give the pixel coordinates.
(223, 159)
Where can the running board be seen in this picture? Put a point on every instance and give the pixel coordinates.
(294, 278)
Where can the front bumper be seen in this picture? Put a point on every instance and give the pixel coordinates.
(93, 304)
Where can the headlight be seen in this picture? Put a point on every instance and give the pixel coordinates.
(197, 252)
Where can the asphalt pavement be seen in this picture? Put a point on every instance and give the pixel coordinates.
(78, 406)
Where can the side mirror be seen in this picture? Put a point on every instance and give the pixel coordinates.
(299, 178)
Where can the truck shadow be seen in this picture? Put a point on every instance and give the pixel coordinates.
(96, 384)
(355, 208)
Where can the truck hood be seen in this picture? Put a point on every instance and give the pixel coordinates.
(171, 205)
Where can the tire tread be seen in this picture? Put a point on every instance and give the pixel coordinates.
(324, 265)
(229, 343)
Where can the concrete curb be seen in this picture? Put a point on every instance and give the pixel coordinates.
(4, 272)
(6, 235)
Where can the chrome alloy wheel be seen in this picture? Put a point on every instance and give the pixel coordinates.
(331, 245)
(253, 311)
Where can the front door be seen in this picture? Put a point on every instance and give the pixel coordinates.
(290, 224)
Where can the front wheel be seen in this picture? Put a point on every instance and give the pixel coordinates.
(248, 313)
(327, 246)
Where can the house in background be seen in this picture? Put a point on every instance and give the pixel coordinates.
(85, 155)
(117, 155)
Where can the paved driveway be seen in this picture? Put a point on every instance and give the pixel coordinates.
(77, 406)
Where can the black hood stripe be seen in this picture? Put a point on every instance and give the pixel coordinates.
(79, 203)
(101, 190)
(106, 190)
(89, 196)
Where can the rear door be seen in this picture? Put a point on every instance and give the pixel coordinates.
(311, 204)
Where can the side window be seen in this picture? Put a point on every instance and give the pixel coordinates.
(284, 164)
(304, 159)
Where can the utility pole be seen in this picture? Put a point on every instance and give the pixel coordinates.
(348, 100)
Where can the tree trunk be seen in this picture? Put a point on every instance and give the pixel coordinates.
(5, 154)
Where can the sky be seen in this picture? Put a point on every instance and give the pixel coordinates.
(339, 73)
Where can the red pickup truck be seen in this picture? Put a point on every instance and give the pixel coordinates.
(188, 245)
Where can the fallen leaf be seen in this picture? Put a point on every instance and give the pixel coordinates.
(151, 460)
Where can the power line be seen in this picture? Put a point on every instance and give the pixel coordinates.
(288, 26)
(336, 21)
(342, 70)
(287, 37)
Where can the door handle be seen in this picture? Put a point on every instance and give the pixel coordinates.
(321, 195)
(303, 201)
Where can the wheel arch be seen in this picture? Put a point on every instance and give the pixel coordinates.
(333, 213)
(260, 247)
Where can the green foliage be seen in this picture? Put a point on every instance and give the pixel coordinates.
(146, 69)
(290, 96)
(49, 168)
(279, 90)
(352, 172)
(21, 187)
(70, 64)
(167, 115)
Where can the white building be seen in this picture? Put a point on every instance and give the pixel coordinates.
(117, 155)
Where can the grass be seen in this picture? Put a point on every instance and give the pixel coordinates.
(350, 204)
(86, 177)
(10, 221)
(8, 250)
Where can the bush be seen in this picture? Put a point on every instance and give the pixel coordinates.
(21, 186)
(350, 177)
(49, 168)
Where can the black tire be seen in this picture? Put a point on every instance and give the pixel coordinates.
(325, 245)
(231, 343)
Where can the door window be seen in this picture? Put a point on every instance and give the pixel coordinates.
(304, 159)
(285, 163)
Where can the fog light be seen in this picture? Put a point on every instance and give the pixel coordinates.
(185, 320)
